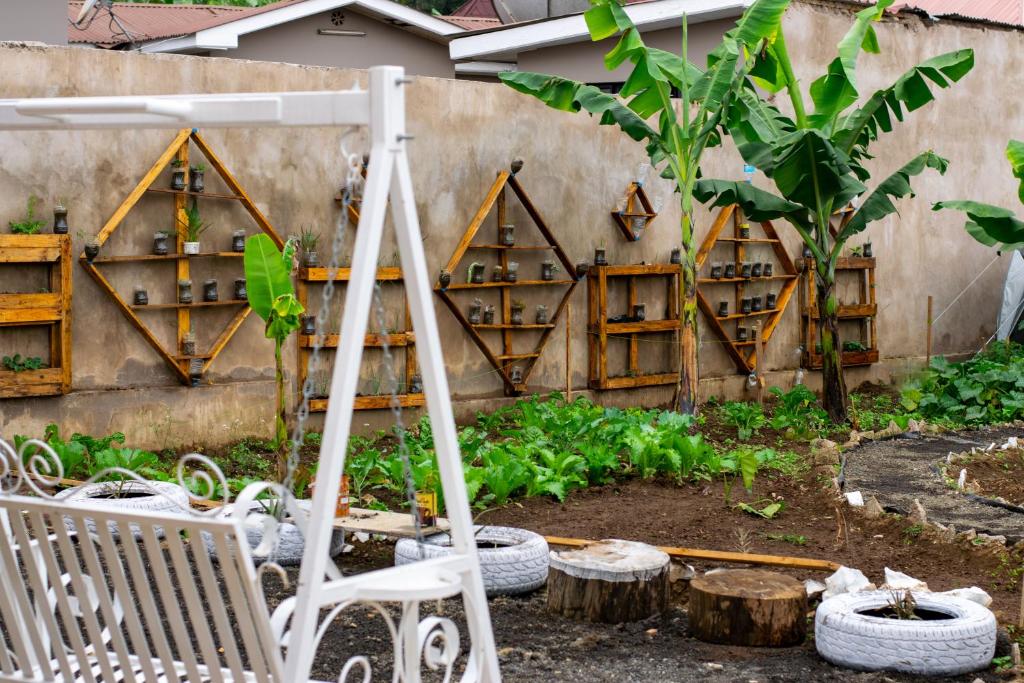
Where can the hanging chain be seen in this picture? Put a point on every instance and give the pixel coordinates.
(350, 191)
(396, 411)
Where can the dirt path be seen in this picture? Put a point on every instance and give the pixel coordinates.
(898, 471)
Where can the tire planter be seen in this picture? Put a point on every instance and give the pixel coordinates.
(518, 565)
(290, 543)
(161, 496)
(847, 637)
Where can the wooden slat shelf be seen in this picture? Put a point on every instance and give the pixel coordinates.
(744, 354)
(186, 193)
(197, 304)
(51, 309)
(637, 205)
(330, 341)
(179, 151)
(134, 258)
(502, 360)
(856, 263)
(601, 330)
(863, 313)
(813, 361)
(319, 405)
(345, 274)
(518, 283)
(851, 311)
(520, 247)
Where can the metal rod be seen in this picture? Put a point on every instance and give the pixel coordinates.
(928, 337)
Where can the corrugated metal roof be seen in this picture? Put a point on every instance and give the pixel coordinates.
(152, 22)
(999, 11)
(472, 23)
(483, 9)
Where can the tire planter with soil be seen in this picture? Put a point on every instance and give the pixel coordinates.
(291, 544)
(512, 561)
(960, 638)
(153, 496)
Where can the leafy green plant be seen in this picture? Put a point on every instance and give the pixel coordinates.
(16, 363)
(796, 413)
(677, 142)
(30, 225)
(272, 297)
(193, 226)
(816, 159)
(747, 418)
(792, 539)
(308, 240)
(503, 475)
(71, 454)
(854, 345)
(769, 510)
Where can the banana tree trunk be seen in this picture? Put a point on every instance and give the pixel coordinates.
(281, 419)
(686, 389)
(833, 390)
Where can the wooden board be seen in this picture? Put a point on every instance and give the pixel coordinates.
(393, 524)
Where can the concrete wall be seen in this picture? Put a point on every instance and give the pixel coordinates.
(45, 21)
(465, 132)
(298, 42)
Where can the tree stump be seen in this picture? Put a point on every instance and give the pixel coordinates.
(609, 581)
(748, 607)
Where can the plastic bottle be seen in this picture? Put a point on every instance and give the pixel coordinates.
(748, 174)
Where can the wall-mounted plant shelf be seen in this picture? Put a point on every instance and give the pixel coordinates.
(637, 207)
(864, 313)
(177, 151)
(50, 309)
(727, 327)
(404, 340)
(514, 367)
(601, 330)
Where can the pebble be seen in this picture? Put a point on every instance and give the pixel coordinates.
(714, 666)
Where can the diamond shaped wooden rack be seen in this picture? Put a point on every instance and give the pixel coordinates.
(743, 352)
(635, 195)
(506, 359)
(176, 359)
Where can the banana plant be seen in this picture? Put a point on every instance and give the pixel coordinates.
(678, 134)
(272, 297)
(994, 225)
(816, 160)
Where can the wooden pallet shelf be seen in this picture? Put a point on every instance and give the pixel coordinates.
(504, 360)
(863, 312)
(40, 309)
(601, 330)
(744, 353)
(179, 150)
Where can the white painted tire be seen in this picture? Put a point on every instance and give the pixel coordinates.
(167, 498)
(520, 565)
(944, 647)
(291, 544)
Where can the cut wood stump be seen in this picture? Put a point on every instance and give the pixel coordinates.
(749, 607)
(609, 581)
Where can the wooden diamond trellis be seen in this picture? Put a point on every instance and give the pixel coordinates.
(743, 351)
(637, 207)
(188, 367)
(513, 366)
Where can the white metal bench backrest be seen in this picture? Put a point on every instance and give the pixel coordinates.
(105, 595)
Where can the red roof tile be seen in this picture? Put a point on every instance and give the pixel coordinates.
(471, 23)
(477, 8)
(151, 22)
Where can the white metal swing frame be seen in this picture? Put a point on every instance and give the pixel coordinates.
(320, 586)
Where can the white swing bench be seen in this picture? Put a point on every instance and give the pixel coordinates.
(93, 594)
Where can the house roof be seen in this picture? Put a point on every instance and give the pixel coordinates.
(199, 28)
(1009, 12)
(472, 23)
(506, 42)
(477, 8)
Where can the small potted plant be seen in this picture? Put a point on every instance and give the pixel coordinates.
(507, 235)
(60, 218)
(745, 305)
(745, 270)
(195, 371)
(676, 256)
(639, 312)
(240, 292)
(741, 334)
(308, 324)
(512, 272)
(768, 268)
(868, 252)
(723, 309)
(92, 247)
(238, 241)
(756, 269)
(516, 375)
(498, 274)
(547, 270)
(637, 224)
(191, 228)
(716, 271)
(308, 242)
(178, 175)
(160, 247)
(31, 225)
(582, 268)
(542, 314)
(744, 231)
(807, 252)
(475, 310)
(188, 344)
(488, 314)
(769, 302)
(755, 304)
(184, 291)
(416, 384)
(475, 273)
(196, 181)
(140, 296)
(444, 279)
(516, 314)
(210, 290)
(730, 271)
(600, 259)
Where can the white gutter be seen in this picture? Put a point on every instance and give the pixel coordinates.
(484, 68)
(225, 36)
(648, 16)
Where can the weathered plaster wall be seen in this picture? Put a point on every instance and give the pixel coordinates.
(465, 132)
